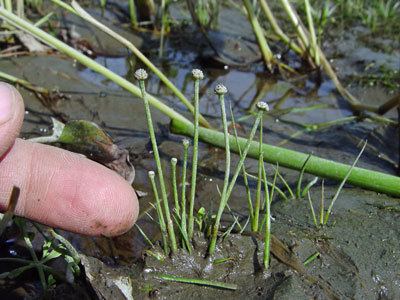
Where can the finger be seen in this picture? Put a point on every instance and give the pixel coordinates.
(11, 116)
(66, 190)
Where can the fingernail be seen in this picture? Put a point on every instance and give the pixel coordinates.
(7, 100)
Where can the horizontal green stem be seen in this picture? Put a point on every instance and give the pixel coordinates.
(197, 281)
(86, 61)
(370, 180)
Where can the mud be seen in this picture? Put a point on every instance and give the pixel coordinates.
(360, 253)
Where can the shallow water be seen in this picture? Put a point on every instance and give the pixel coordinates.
(360, 253)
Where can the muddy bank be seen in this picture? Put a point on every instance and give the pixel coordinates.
(359, 249)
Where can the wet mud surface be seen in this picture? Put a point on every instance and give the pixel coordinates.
(359, 249)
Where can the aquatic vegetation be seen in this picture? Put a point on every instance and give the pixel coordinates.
(324, 215)
(324, 168)
(90, 63)
(186, 225)
(53, 247)
(197, 76)
(141, 76)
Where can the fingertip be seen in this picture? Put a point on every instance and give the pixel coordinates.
(66, 190)
(11, 115)
(120, 209)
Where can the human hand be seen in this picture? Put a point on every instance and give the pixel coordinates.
(59, 188)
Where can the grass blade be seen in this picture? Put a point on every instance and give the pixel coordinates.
(197, 281)
(328, 212)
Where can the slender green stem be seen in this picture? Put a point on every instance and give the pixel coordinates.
(280, 192)
(277, 29)
(267, 218)
(183, 195)
(157, 159)
(313, 37)
(197, 75)
(146, 238)
(262, 42)
(215, 284)
(8, 5)
(255, 223)
(274, 182)
(309, 186)
(44, 19)
(160, 215)
(62, 240)
(328, 212)
(65, 6)
(300, 180)
(312, 209)
(132, 13)
(222, 205)
(296, 23)
(226, 137)
(323, 168)
(174, 161)
(285, 183)
(20, 8)
(162, 33)
(86, 61)
(355, 104)
(35, 259)
(322, 203)
(244, 173)
(311, 258)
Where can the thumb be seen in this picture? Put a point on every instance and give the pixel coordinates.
(11, 116)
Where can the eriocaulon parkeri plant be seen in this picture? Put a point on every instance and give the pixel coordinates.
(197, 76)
(141, 76)
(224, 200)
(255, 221)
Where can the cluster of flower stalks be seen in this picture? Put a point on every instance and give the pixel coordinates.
(181, 218)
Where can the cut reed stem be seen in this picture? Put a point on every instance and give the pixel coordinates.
(324, 168)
